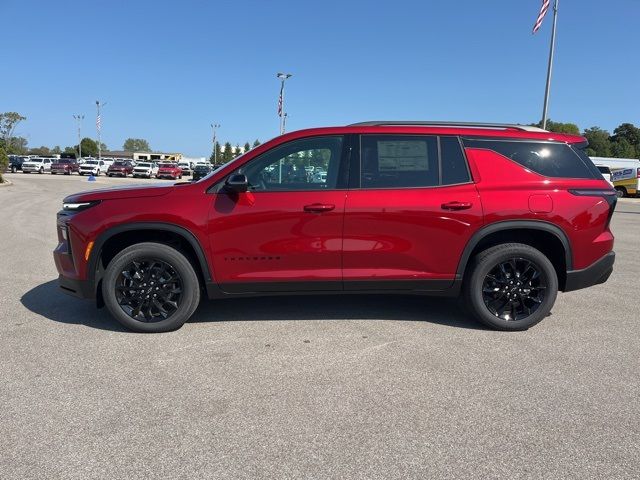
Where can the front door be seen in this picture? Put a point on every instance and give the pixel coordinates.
(285, 233)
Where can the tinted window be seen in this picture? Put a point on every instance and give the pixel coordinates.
(548, 159)
(604, 169)
(454, 165)
(288, 167)
(398, 161)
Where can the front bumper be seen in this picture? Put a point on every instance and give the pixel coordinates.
(596, 273)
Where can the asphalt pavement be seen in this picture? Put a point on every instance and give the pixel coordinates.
(353, 387)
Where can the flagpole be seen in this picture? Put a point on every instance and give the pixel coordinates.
(550, 66)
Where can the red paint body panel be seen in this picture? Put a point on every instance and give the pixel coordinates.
(406, 234)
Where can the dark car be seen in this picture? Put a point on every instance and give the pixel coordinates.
(120, 168)
(65, 166)
(201, 170)
(15, 163)
(503, 215)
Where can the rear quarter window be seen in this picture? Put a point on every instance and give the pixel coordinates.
(549, 159)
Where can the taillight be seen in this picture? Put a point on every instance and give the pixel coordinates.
(608, 194)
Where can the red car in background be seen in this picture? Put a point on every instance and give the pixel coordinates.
(169, 170)
(65, 166)
(120, 168)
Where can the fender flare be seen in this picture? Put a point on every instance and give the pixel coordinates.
(514, 225)
(94, 275)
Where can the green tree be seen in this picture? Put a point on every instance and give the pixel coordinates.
(56, 150)
(559, 127)
(237, 151)
(136, 145)
(4, 162)
(629, 132)
(8, 123)
(227, 154)
(89, 147)
(247, 147)
(599, 142)
(16, 146)
(622, 148)
(256, 143)
(70, 150)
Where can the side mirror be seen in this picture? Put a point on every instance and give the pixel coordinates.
(237, 183)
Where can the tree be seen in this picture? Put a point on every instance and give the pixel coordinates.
(629, 132)
(4, 162)
(599, 142)
(89, 147)
(8, 123)
(237, 151)
(136, 145)
(40, 151)
(621, 148)
(256, 143)
(16, 146)
(227, 154)
(559, 127)
(70, 150)
(247, 147)
(56, 150)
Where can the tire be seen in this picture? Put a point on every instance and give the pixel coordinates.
(13, 169)
(144, 254)
(483, 296)
(621, 192)
(41, 171)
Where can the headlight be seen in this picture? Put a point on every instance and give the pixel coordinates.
(76, 207)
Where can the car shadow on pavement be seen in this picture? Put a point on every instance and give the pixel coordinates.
(47, 300)
(394, 307)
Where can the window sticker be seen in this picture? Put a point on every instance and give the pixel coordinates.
(402, 156)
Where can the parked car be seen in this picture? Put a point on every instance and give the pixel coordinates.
(37, 165)
(201, 170)
(186, 168)
(65, 166)
(145, 169)
(120, 168)
(606, 174)
(15, 163)
(93, 167)
(504, 215)
(169, 170)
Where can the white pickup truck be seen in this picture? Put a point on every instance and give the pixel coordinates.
(37, 165)
(93, 167)
(145, 169)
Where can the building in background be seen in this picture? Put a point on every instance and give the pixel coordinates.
(141, 156)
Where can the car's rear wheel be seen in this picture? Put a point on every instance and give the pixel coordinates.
(511, 287)
(621, 192)
(13, 169)
(41, 171)
(151, 287)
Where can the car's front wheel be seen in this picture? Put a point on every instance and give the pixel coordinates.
(151, 287)
(13, 169)
(511, 286)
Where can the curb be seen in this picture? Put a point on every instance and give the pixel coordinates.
(6, 182)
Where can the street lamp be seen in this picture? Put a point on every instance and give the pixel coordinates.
(214, 127)
(281, 113)
(99, 126)
(79, 119)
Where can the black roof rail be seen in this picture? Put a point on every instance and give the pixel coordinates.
(419, 123)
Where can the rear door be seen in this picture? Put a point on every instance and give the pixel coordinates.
(285, 233)
(410, 213)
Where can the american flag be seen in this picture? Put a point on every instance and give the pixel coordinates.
(543, 12)
(98, 122)
(280, 100)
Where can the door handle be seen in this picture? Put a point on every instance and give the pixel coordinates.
(456, 205)
(319, 207)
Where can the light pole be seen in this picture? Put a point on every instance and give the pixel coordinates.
(79, 119)
(214, 127)
(99, 126)
(283, 77)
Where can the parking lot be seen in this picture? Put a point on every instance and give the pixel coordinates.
(309, 387)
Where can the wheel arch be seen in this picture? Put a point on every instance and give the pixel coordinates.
(114, 239)
(546, 237)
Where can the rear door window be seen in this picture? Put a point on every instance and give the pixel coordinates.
(545, 158)
(454, 164)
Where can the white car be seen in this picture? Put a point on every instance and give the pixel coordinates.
(319, 177)
(186, 167)
(37, 165)
(606, 173)
(145, 169)
(93, 167)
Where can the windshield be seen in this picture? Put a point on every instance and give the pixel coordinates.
(143, 164)
(120, 164)
(64, 160)
(91, 162)
(166, 165)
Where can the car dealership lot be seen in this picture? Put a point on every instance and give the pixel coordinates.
(313, 387)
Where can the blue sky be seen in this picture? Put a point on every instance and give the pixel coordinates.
(167, 69)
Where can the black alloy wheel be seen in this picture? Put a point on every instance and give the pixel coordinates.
(149, 290)
(514, 289)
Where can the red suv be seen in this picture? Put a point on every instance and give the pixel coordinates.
(506, 215)
(169, 170)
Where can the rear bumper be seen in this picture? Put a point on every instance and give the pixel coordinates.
(596, 273)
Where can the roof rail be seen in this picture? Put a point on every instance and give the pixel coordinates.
(525, 128)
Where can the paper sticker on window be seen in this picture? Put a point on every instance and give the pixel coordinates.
(402, 156)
